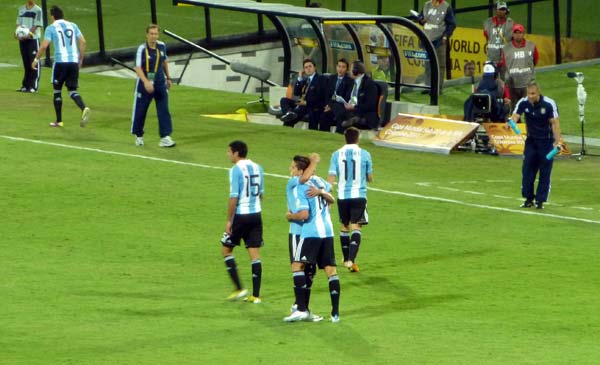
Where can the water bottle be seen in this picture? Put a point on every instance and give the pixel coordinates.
(553, 153)
(514, 126)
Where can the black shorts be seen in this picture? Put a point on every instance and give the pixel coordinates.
(353, 211)
(315, 250)
(247, 227)
(65, 73)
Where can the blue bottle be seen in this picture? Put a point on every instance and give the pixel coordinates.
(552, 153)
(514, 126)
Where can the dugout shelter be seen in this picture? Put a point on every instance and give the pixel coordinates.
(326, 35)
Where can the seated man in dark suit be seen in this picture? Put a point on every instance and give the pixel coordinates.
(339, 85)
(311, 90)
(361, 110)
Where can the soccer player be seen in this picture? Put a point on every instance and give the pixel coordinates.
(153, 82)
(543, 134)
(315, 245)
(301, 171)
(69, 47)
(246, 188)
(30, 16)
(353, 168)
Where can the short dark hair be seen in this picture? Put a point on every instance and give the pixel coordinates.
(152, 26)
(301, 162)
(307, 60)
(240, 147)
(343, 60)
(352, 135)
(358, 68)
(56, 12)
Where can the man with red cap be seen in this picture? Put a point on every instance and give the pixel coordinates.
(498, 32)
(519, 57)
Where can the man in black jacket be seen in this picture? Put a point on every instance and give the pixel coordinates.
(361, 110)
(311, 90)
(339, 87)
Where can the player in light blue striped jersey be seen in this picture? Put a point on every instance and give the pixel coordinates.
(353, 168)
(244, 221)
(311, 209)
(69, 48)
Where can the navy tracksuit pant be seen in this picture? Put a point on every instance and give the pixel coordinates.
(140, 108)
(534, 160)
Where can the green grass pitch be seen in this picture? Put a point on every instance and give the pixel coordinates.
(110, 254)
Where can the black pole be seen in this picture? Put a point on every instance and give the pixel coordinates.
(261, 26)
(343, 5)
(307, 3)
(100, 29)
(207, 24)
(491, 9)
(47, 62)
(153, 11)
(557, 32)
(569, 17)
(379, 7)
(529, 16)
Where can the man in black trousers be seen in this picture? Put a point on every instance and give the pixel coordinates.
(339, 87)
(311, 90)
(361, 110)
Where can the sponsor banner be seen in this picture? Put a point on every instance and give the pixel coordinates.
(424, 133)
(469, 45)
(508, 143)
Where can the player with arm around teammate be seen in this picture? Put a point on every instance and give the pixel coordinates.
(244, 221)
(315, 246)
(353, 168)
(543, 134)
(69, 48)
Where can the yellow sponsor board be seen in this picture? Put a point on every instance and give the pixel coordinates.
(424, 133)
(507, 142)
(469, 45)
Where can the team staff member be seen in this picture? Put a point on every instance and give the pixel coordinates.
(69, 48)
(153, 82)
(543, 134)
(244, 221)
(30, 16)
(310, 88)
(437, 18)
(519, 58)
(339, 84)
(361, 110)
(498, 32)
(353, 168)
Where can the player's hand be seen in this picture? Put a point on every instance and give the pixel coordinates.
(313, 191)
(314, 157)
(169, 83)
(288, 215)
(34, 64)
(149, 86)
(228, 227)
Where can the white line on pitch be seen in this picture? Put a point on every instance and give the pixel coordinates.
(392, 192)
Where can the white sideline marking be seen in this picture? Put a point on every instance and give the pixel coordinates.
(411, 195)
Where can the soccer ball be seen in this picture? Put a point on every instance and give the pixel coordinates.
(22, 31)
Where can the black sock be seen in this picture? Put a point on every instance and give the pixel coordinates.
(354, 245)
(256, 276)
(232, 270)
(309, 273)
(58, 106)
(345, 241)
(77, 99)
(300, 290)
(334, 292)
